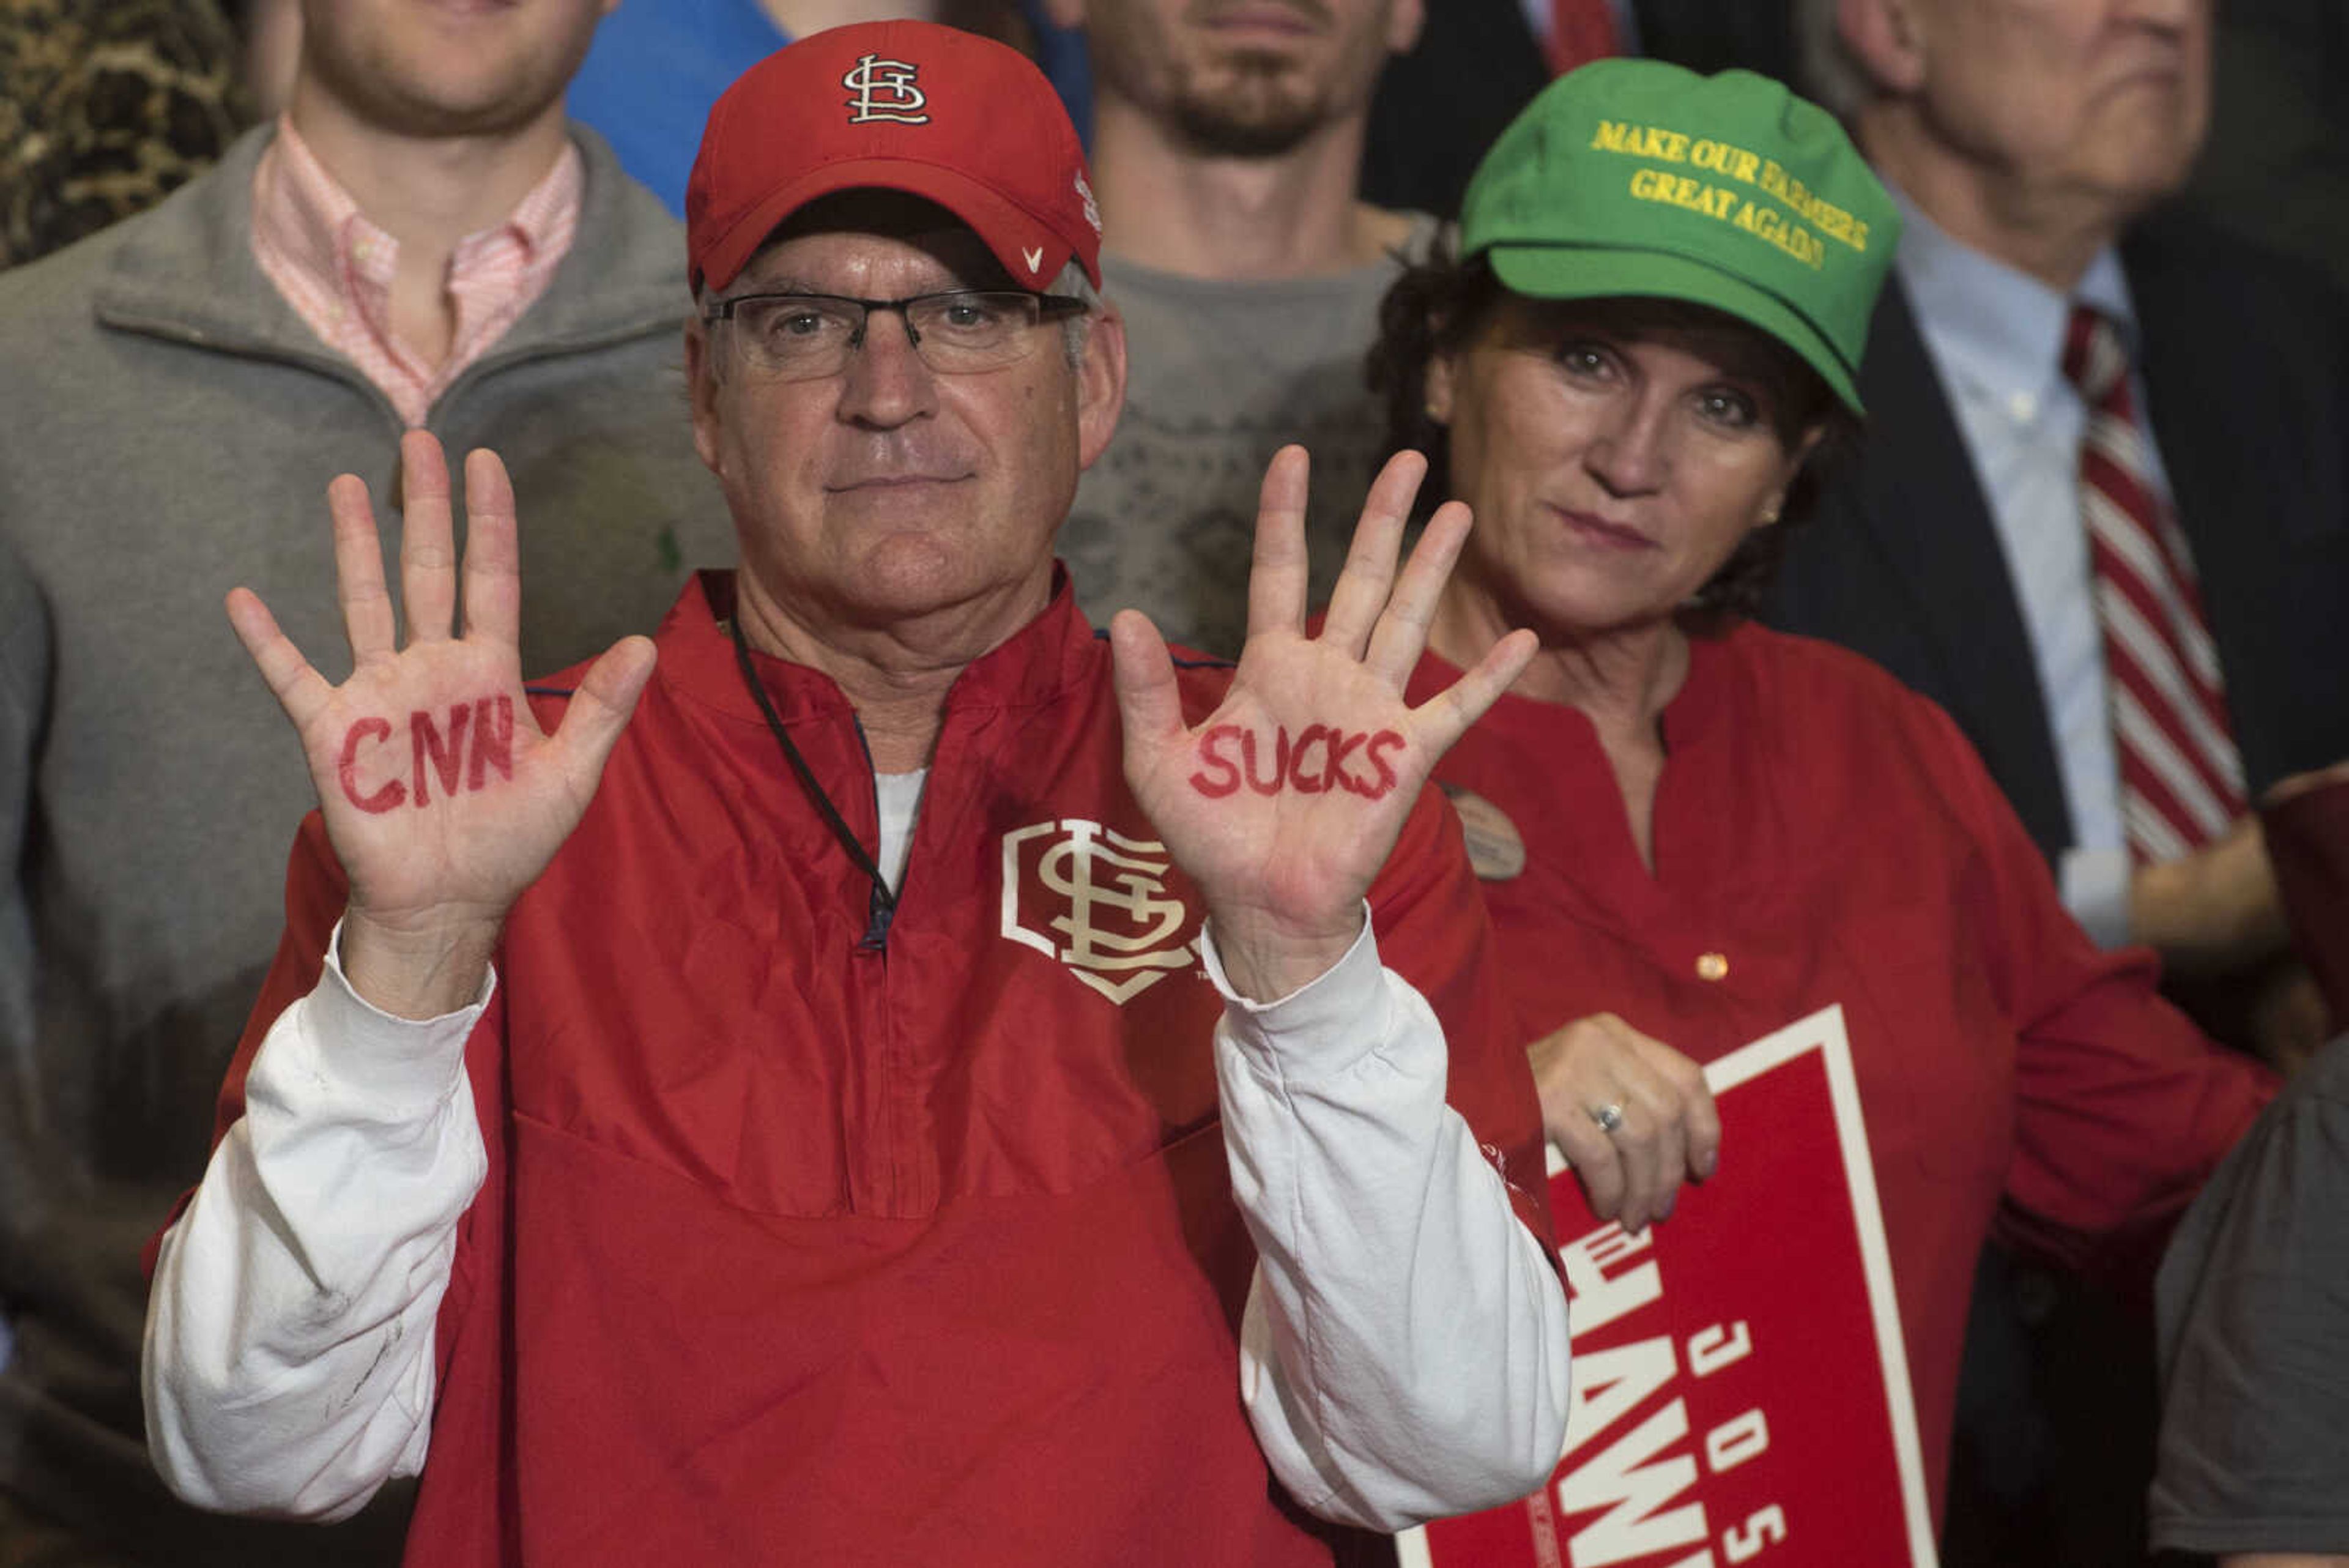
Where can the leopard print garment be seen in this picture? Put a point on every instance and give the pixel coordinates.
(105, 106)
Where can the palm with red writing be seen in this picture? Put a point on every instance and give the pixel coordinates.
(1287, 801)
(442, 798)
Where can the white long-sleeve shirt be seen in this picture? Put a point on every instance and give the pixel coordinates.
(1403, 1350)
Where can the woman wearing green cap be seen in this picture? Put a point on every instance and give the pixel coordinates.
(1693, 831)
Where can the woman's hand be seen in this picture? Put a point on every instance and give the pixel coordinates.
(1287, 801)
(442, 798)
(1598, 1070)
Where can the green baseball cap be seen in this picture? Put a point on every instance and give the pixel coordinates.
(1638, 178)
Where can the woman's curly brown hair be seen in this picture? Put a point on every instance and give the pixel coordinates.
(1439, 305)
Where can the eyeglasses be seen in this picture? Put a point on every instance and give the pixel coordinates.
(803, 337)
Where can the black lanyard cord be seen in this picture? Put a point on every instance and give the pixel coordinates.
(883, 904)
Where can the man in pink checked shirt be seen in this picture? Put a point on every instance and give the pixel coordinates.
(421, 241)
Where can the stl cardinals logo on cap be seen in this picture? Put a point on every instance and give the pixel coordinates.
(884, 90)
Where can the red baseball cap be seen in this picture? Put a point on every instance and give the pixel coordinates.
(931, 110)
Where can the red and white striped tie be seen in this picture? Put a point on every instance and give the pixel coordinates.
(2181, 779)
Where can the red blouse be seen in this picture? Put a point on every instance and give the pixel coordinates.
(1822, 835)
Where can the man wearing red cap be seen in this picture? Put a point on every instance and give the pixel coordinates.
(816, 1124)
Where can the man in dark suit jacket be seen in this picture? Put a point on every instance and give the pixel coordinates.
(2028, 145)
(2247, 362)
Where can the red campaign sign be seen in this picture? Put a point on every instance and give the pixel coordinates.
(1740, 1394)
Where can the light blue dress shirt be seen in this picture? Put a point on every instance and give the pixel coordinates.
(1996, 335)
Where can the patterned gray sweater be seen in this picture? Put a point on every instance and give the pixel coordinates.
(1221, 376)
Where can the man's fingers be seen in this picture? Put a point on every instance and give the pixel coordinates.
(1277, 570)
(1401, 635)
(428, 544)
(1149, 704)
(367, 619)
(492, 555)
(1360, 599)
(301, 690)
(599, 711)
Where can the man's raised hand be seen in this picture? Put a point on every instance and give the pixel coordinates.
(442, 798)
(1287, 801)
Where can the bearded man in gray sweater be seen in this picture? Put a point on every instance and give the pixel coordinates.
(421, 240)
(1228, 145)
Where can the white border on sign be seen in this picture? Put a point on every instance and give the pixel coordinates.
(1823, 1032)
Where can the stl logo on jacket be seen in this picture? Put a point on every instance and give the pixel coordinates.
(1098, 902)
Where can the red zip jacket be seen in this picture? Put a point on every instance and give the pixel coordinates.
(809, 1241)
